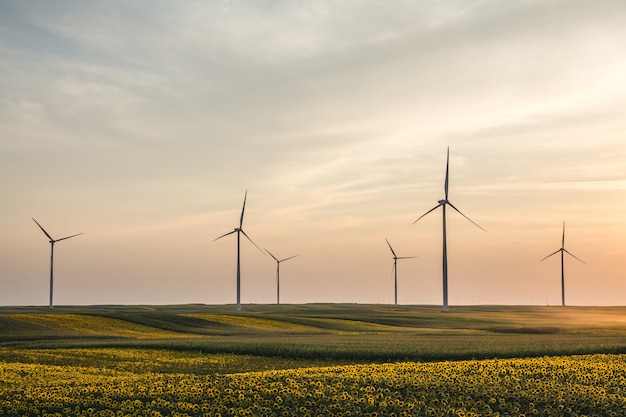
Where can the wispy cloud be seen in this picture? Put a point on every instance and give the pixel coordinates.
(331, 114)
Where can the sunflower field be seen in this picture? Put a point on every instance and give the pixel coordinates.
(585, 385)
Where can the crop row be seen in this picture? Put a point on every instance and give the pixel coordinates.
(549, 386)
(140, 361)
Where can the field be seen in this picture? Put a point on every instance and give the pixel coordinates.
(318, 359)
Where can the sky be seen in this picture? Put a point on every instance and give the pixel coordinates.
(143, 124)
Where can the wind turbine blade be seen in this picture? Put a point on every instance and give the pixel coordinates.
(459, 211)
(393, 268)
(225, 234)
(570, 254)
(63, 238)
(553, 253)
(286, 259)
(42, 229)
(445, 187)
(563, 239)
(248, 237)
(243, 209)
(275, 258)
(432, 209)
(406, 257)
(394, 254)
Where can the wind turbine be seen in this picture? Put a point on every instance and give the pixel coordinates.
(52, 242)
(239, 231)
(395, 270)
(278, 261)
(563, 250)
(443, 203)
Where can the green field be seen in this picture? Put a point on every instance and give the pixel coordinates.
(334, 333)
(285, 360)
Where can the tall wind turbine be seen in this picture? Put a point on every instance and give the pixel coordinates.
(278, 261)
(563, 250)
(52, 242)
(395, 270)
(443, 203)
(239, 231)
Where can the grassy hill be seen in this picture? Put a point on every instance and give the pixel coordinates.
(337, 333)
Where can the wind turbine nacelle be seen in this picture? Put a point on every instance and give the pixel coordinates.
(443, 201)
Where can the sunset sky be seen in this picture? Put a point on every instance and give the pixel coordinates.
(143, 123)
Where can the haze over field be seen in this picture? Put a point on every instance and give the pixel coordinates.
(142, 124)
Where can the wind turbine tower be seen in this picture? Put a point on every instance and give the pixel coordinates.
(239, 230)
(278, 261)
(443, 203)
(563, 251)
(395, 271)
(52, 242)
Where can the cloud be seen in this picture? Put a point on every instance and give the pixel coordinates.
(335, 116)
